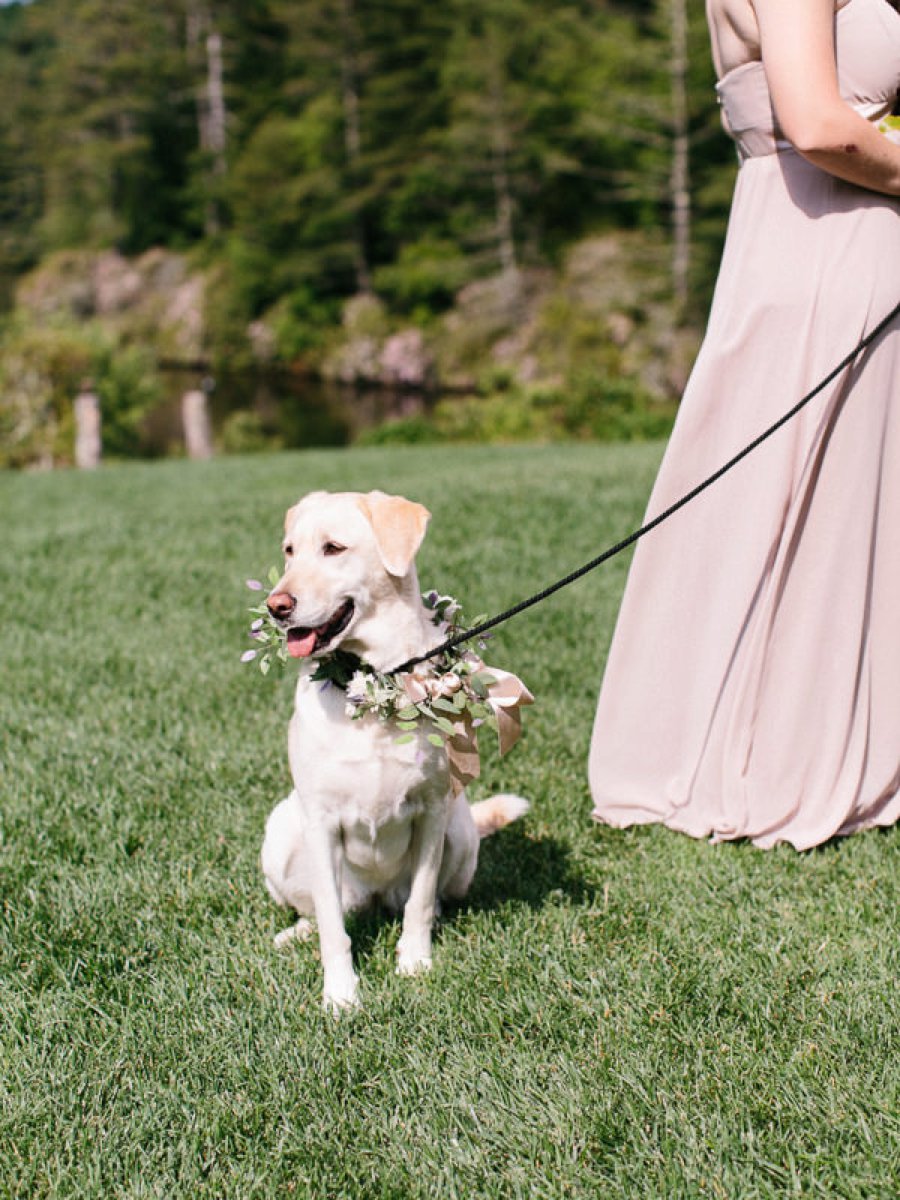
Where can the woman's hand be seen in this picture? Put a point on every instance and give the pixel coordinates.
(797, 47)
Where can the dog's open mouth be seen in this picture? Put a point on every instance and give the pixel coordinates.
(302, 642)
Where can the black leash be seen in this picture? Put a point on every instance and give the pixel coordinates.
(479, 630)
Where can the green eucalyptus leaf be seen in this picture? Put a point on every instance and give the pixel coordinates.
(485, 677)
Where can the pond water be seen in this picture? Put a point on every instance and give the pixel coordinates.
(276, 409)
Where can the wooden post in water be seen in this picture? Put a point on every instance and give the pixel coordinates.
(197, 426)
(88, 446)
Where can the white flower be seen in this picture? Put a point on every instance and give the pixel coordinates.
(382, 693)
(357, 688)
(449, 683)
(449, 608)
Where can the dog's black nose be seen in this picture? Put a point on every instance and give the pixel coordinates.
(280, 605)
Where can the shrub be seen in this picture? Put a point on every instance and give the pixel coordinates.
(426, 276)
(587, 407)
(225, 316)
(406, 431)
(299, 322)
(612, 409)
(42, 369)
(128, 387)
(245, 432)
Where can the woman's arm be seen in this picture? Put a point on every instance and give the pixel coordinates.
(797, 46)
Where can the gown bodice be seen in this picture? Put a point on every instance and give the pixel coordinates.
(867, 42)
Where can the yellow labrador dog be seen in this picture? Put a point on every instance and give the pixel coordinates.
(368, 817)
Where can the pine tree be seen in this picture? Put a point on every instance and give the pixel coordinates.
(326, 147)
(21, 192)
(110, 122)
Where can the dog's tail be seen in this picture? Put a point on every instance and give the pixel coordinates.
(495, 812)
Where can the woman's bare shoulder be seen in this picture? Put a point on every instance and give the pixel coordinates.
(734, 33)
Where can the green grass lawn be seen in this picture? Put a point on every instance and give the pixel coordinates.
(610, 1014)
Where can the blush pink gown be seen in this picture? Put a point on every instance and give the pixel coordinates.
(753, 685)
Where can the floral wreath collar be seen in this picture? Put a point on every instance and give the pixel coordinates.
(451, 696)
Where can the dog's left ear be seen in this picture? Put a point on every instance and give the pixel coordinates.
(399, 526)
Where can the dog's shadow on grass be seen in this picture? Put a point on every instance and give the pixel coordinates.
(513, 868)
(517, 867)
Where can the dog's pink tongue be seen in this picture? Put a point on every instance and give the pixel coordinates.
(300, 645)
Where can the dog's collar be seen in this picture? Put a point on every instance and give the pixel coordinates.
(449, 697)
(338, 668)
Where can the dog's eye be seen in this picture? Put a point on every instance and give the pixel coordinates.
(329, 549)
(288, 550)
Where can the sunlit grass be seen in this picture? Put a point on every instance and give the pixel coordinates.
(610, 1014)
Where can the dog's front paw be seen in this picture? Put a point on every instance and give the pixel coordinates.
(413, 966)
(413, 958)
(341, 994)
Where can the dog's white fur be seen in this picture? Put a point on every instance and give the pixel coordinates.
(368, 817)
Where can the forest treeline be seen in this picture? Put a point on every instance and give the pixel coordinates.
(314, 150)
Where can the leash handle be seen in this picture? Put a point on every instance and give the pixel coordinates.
(467, 635)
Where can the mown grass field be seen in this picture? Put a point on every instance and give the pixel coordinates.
(610, 1014)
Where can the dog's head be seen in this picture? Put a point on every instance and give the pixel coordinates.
(345, 553)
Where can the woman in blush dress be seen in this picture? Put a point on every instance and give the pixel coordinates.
(753, 684)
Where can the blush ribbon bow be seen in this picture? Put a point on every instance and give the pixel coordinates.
(506, 695)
